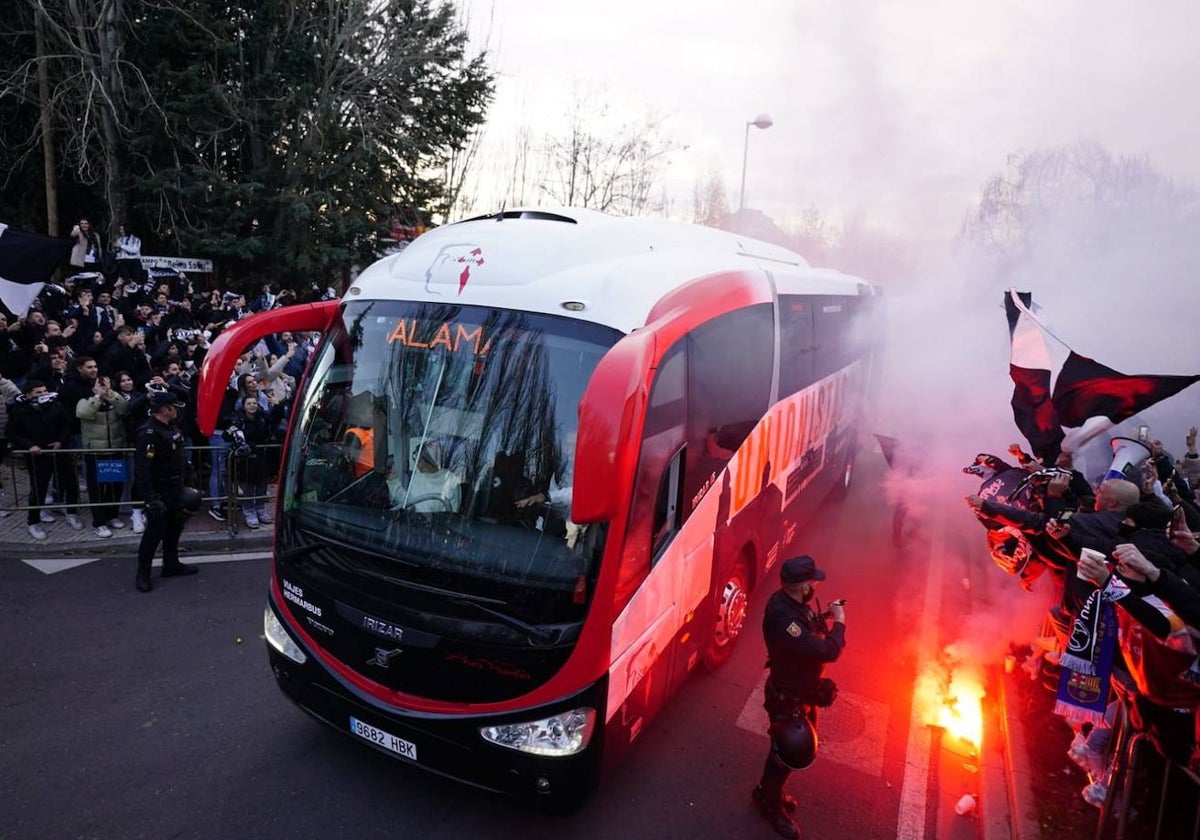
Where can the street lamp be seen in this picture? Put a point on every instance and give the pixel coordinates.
(761, 121)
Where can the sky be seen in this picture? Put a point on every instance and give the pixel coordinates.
(892, 113)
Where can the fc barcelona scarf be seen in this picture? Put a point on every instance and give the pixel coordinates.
(1087, 662)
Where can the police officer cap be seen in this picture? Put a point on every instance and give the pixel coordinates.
(800, 570)
(159, 399)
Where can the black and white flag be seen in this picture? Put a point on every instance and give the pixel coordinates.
(27, 261)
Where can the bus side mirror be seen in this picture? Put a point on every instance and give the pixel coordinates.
(223, 355)
(610, 415)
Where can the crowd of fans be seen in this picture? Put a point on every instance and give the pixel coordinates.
(1124, 552)
(76, 369)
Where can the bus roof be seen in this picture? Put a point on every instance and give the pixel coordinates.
(610, 270)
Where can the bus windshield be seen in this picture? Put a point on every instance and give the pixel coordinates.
(435, 444)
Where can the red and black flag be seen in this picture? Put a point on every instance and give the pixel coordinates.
(27, 260)
(1087, 397)
(1029, 367)
(1086, 389)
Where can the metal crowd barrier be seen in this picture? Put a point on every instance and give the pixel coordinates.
(116, 466)
(1129, 753)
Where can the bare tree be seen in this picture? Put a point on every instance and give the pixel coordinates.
(81, 47)
(49, 155)
(1080, 194)
(458, 199)
(709, 204)
(814, 237)
(609, 170)
(519, 181)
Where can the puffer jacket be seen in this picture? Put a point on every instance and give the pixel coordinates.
(102, 421)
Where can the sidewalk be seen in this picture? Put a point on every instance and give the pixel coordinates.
(203, 534)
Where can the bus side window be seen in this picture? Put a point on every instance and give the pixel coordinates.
(796, 343)
(662, 445)
(730, 363)
(834, 319)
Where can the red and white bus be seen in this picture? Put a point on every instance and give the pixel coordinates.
(535, 467)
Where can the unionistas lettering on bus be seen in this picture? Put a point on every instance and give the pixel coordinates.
(454, 337)
(796, 425)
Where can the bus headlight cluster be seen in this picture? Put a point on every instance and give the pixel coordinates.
(278, 638)
(559, 735)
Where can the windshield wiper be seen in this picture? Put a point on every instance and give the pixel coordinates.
(532, 631)
(479, 602)
(461, 597)
(296, 551)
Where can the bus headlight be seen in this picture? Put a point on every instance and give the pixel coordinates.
(559, 735)
(278, 638)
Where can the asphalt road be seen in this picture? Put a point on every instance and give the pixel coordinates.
(130, 715)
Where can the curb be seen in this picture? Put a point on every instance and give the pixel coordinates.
(195, 543)
(1017, 779)
(995, 801)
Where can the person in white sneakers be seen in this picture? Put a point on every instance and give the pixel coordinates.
(248, 429)
(39, 424)
(102, 427)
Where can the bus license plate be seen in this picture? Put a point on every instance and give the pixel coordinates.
(387, 740)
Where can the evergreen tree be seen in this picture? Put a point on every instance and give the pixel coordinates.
(274, 136)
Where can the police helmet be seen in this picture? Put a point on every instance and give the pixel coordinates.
(189, 499)
(794, 742)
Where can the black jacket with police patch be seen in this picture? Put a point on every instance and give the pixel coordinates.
(797, 645)
(158, 461)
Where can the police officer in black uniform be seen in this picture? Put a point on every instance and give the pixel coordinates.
(158, 471)
(800, 640)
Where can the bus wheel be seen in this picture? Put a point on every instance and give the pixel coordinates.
(732, 600)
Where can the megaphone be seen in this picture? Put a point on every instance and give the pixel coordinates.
(1127, 453)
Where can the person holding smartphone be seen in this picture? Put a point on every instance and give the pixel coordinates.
(801, 641)
(102, 427)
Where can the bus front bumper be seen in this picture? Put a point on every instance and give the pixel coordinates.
(449, 745)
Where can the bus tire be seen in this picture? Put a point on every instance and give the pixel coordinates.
(732, 600)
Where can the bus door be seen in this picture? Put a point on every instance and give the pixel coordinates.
(646, 629)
